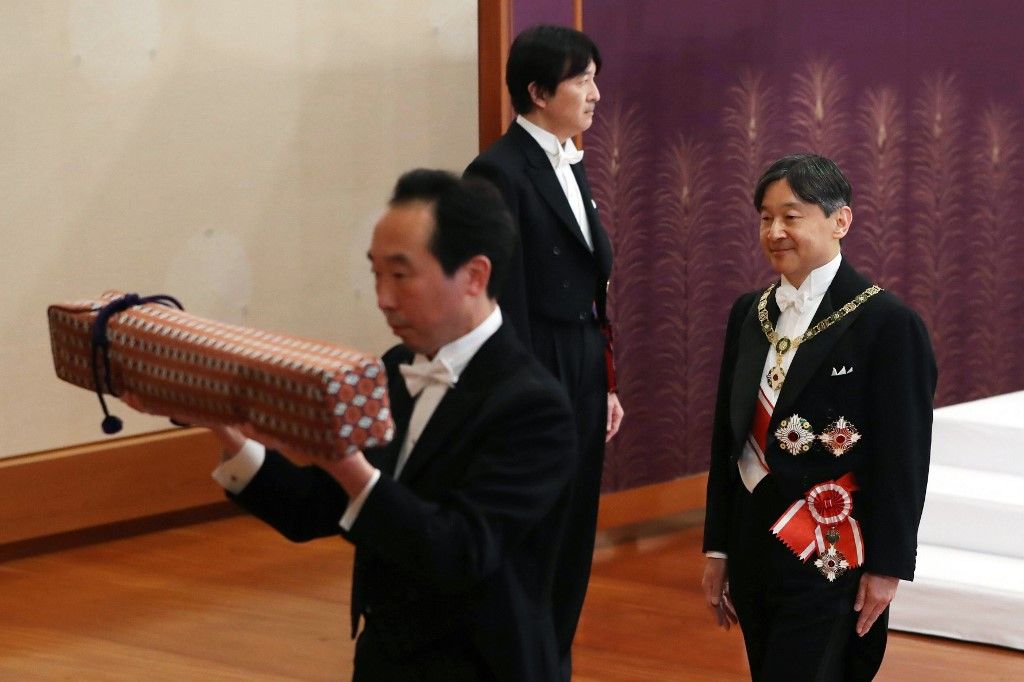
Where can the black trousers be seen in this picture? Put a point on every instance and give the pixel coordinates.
(451, 659)
(574, 353)
(796, 625)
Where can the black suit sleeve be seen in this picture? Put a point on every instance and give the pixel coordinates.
(301, 503)
(524, 461)
(903, 379)
(514, 306)
(721, 475)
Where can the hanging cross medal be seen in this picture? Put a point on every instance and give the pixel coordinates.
(832, 563)
(776, 375)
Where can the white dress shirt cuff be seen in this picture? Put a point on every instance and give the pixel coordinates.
(234, 473)
(716, 555)
(355, 505)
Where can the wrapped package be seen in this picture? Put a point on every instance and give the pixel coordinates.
(319, 399)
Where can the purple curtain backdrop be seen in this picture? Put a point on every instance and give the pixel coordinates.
(921, 105)
(527, 13)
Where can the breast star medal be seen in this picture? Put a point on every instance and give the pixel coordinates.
(839, 437)
(795, 435)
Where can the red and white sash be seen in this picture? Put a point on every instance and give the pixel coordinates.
(826, 506)
(758, 436)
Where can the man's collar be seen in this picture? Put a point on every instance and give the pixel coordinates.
(545, 138)
(455, 355)
(820, 278)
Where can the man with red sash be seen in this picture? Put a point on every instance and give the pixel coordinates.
(820, 446)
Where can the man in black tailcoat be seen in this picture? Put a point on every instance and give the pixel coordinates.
(457, 522)
(821, 444)
(557, 285)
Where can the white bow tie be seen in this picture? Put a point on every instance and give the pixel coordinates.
(566, 158)
(423, 372)
(787, 295)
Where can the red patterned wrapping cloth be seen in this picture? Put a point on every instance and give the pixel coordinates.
(319, 399)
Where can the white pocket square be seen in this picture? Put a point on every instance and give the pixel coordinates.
(842, 371)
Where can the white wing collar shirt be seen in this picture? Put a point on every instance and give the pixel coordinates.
(561, 158)
(235, 473)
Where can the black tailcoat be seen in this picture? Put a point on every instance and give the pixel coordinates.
(555, 296)
(455, 559)
(554, 276)
(885, 392)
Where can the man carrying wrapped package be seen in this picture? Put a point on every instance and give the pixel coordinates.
(457, 521)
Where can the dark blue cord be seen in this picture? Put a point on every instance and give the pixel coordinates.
(112, 424)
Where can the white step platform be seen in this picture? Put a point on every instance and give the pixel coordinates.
(963, 595)
(986, 434)
(969, 582)
(980, 511)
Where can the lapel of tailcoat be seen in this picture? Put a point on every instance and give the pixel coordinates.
(602, 245)
(401, 410)
(753, 349)
(543, 177)
(846, 285)
(461, 401)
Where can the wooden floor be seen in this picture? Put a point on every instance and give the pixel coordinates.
(231, 600)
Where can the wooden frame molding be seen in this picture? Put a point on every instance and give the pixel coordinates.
(138, 484)
(649, 502)
(494, 27)
(76, 488)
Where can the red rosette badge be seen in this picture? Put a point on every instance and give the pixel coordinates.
(829, 503)
(822, 521)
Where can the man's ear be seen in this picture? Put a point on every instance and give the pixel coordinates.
(844, 218)
(537, 95)
(477, 271)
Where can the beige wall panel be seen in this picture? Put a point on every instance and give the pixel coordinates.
(231, 153)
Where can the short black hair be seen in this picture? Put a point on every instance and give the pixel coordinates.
(546, 55)
(815, 179)
(470, 219)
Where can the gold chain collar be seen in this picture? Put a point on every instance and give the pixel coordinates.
(783, 344)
